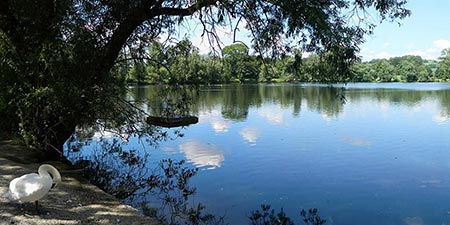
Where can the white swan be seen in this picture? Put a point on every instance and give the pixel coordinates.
(32, 187)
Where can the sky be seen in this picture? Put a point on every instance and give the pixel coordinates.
(425, 33)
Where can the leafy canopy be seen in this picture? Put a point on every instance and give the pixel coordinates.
(57, 56)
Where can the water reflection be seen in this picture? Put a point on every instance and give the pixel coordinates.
(441, 118)
(399, 125)
(214, 117)
(220, 126)
(431, 183)
(202, 154)
(273, 115)
(235, 101)
(357, 142)
(250, 134)
(413, 221)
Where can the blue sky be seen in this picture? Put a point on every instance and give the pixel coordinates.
(425, 33)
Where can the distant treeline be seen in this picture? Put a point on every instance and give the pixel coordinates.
(182, 64)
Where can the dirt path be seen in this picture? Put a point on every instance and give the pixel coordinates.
(74, 201)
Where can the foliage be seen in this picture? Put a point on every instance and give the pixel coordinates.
(237, 99)
(270, 217)
(171, 188)
(443, 71)
(128, 174)
(383, 71)
(65, 59)
(317, 69)
(398, 69)
(238, 65)
(163, 192)
(138, 73)
(177, 64)
(124, 174)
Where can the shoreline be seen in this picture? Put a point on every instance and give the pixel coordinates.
(74, 201)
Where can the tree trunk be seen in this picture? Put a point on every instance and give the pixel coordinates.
(55, 146)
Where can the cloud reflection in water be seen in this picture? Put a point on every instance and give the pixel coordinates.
(220, 126)
(441, 118)
(250, 134)
(202, 154)
(214, 117)
(273, 114)
(357, 142)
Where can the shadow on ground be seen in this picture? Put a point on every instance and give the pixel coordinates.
(74, 201)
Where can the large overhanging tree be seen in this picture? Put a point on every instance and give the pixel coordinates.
(57, 56)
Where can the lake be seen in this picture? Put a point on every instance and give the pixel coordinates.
(359, 153)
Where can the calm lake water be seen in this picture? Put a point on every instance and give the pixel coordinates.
(381, 156)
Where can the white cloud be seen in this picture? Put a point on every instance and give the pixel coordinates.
(206, 43)
(413, 221)
(273, 115)
(327, 117)
(442, 44)
(250, 134)
(169, 150)
(220, 125)
(432, 52)
(441, 118)
(202, 154)
(225, 35)
(419, 53)
(104, 134)
(383, 55)
(369, 55)
(214, 117)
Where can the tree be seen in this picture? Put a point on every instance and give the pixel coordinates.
(362, 72)
(179, 58)
(138, 73)
(213, 69)
(414, 59)
(443, 71)
(383, 71)
(62, 52)
(407, 71)
(157, 63)
(238, 64)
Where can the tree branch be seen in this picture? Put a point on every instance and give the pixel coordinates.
(138, 16)
(186, 11)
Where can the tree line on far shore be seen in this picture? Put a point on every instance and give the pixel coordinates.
(183, 64)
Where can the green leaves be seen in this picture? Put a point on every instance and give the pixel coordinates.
(238, 64)
(443, 71)
(400, 69)
(70, 47)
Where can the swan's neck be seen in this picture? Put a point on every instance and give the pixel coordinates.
(48, 170)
